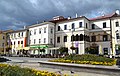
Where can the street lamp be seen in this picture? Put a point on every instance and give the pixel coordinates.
(72, 38)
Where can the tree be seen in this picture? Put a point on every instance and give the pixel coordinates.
(91, 50)
(63, 50)
(119, 47)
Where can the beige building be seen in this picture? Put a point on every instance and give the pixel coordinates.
(4, 37)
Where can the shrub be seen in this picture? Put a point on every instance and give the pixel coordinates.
(63, 50)
(87, 59)
(7, 70)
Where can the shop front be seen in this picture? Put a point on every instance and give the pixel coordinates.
(38, 49)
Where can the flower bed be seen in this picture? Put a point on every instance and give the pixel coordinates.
(8, 70)
(86, 59)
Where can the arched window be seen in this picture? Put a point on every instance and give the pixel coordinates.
(72, 38)
(81, 37)
(84, 37)
(77, 38)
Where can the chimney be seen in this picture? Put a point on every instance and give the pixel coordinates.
(117, 12)
(24, 27)
(37, 22)
(76, 15)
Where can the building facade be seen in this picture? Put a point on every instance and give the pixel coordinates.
(41, 37)
(18, 40)
(73, 33)
(4, 47)
(101, 33)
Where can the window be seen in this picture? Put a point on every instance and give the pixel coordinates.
(77, 37)
(7, 43)
(51, 41)
(72, 38)
(51, 30)
(18, 34)
(34, 41)
(80, 24)
(58, 39)
(2, 44)
(81, 38)
(86, 25)
(93, 26)
(73, 25)
(11, 35)
(18, 42)
(104, 24)
(105, 38)
(22, 34)
(105, 51)
(65, 27)
(117, 35)
(65, 38)
(30, 41)
(30, 32)
(117, 24)
(39, 40)
(14, 35)
(34, 31)
(93, 38)
(44, 29)
(58, 28)
(21, 42)
(3, 37)
(39, 30)
(44, 40)
(14, 42)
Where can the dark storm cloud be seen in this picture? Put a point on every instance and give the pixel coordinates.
(15, 14)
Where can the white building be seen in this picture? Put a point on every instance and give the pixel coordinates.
(41, 37)
(18, 40)
(101, 33)
(72, 32)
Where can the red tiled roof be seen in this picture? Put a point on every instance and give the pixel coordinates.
(104, 17)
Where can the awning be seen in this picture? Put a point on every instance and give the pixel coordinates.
(26, 48)
(39, 46)
(54, 48)
(19, 48)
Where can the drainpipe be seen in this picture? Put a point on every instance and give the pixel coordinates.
(54, 34)
(111, 39)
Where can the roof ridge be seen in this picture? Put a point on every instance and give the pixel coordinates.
(105, 16)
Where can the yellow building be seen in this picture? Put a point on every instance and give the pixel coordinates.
(4, 47)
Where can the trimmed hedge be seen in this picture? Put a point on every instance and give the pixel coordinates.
(86, 59)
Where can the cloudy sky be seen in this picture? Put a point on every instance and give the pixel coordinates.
(14, 14)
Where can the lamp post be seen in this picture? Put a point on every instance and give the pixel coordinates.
(72, 47)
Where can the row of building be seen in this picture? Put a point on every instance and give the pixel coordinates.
(102, 33)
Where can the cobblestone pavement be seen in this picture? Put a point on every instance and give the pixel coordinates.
(60, 71)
